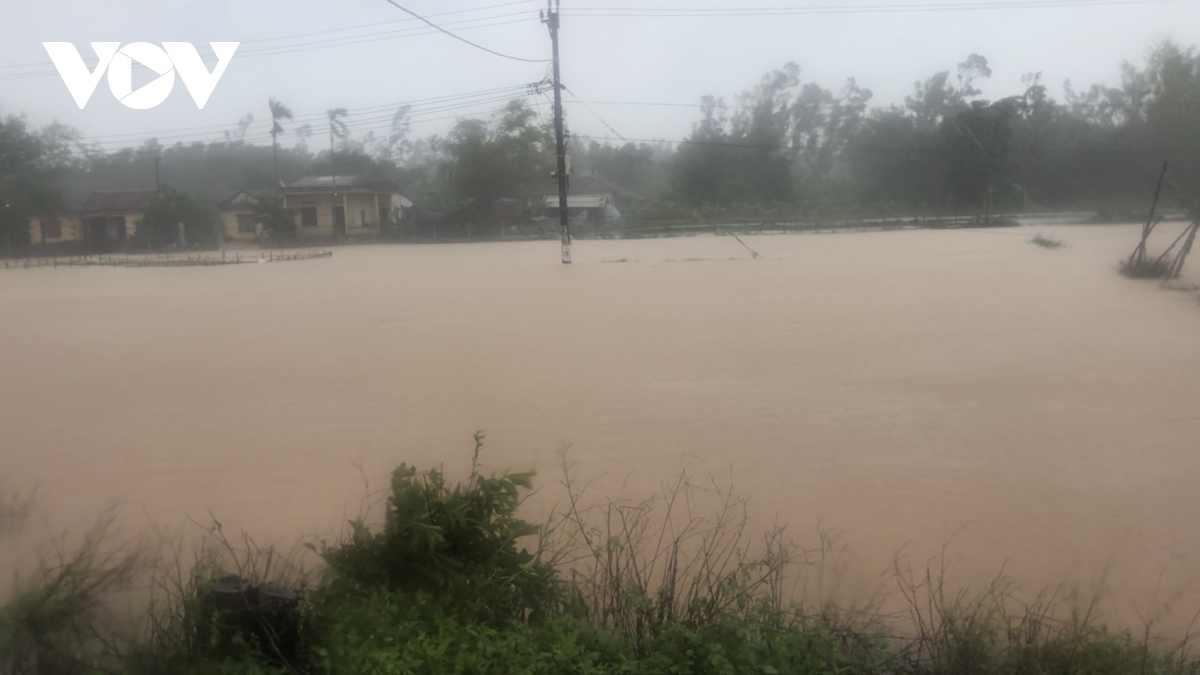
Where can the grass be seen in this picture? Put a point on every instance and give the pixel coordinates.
(1046, 242)
(449, 579)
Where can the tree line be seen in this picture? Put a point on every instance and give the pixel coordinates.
(782, 146)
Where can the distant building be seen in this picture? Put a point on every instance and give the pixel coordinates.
(237, 215)
(340, 206)
(106, 218)
(597, 210)
(591, 200)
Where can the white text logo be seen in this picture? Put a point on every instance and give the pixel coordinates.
(165, 61)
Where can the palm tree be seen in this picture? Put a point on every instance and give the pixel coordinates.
(279, 111)
(337, 129)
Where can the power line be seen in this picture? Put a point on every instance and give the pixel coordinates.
(324, 44)
(596, 114)
(361, 125)
(92, 60)
(391, 35)
(463, 39)
(381, 23)
(673, 12)
(322, 115)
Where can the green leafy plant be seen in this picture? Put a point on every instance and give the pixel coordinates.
(456, 542)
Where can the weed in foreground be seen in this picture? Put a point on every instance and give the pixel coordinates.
(63, 615)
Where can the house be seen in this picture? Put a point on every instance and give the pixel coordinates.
(237, 215)
(591, 200)
(343, 205)
(592, 183)
(106, 218)
(592, 209)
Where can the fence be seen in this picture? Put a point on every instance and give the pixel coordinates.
(166, 259)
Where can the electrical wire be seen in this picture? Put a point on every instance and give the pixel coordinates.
(978, 5)
(321, 115)
(92, 60)
(463, 39)
(318, 45)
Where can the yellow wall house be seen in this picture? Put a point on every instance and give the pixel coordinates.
(237, 215)
(343, 206)
(106, 219)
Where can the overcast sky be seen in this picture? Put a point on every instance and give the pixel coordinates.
(297, 52)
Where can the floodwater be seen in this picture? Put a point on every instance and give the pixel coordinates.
(1030, 407)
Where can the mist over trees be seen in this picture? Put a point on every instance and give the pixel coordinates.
(783, 146)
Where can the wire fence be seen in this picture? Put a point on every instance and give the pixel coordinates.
(166, 259)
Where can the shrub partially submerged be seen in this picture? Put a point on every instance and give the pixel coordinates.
(1146, 268)
(1046, 242)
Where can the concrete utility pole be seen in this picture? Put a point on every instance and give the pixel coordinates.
(551, 19)
(157, 192)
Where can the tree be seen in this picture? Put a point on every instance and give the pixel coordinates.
(303, 133)
(337, 129)
(243, 125)
(169, 208)
(977, 144)
(30, 166)
(278, 223)
(279, 111)
(510, 156)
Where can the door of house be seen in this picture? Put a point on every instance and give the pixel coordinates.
(339, 218)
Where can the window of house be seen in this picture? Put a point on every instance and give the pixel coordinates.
(362, 218)
(385, 212)
(51, 229)
(308, 215)
(246, 224)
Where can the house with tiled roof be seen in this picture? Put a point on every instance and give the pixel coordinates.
(343, 206)
(105, 219)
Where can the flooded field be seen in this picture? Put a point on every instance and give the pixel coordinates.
(908, 389)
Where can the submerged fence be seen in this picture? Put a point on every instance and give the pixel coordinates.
(166, 259)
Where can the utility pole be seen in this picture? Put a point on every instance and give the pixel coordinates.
(333, 202)
(551, 19)
(157, 191)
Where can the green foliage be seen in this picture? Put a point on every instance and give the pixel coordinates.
(167, 209)
(508, 157)
(278, 223)
(458, 543)
(31, 164)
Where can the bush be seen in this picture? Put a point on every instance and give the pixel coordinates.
(278, 222)
(456, 543)
(1145, 268)
(1046, 242)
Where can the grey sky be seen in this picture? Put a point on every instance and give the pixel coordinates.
(622, 59)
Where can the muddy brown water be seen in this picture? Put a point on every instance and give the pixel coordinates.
(908, 389)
